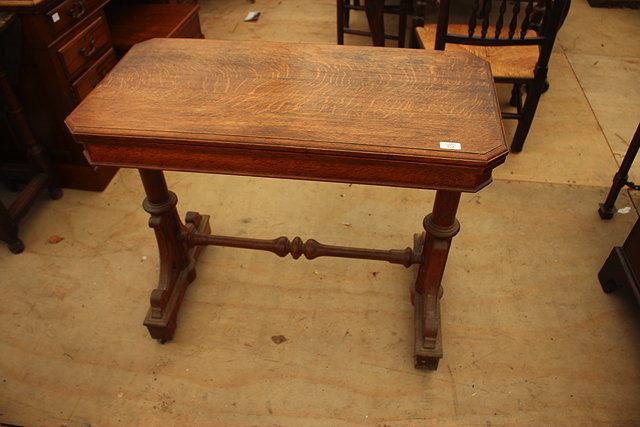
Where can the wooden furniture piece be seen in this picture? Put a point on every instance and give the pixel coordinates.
(622, 267)
(68, 50)
(375, 10)
(135, 23)
(39, 169)
(518, 55)
(621, 178)
(286, 111)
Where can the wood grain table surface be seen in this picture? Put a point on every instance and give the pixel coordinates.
(218, 104)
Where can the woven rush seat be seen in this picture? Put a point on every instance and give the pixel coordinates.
(506, 61)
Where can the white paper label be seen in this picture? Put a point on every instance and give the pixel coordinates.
(450, 145)
(55, 17)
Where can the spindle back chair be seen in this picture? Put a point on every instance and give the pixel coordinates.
(516, 38)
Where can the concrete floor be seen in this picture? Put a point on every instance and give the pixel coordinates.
(529, 337)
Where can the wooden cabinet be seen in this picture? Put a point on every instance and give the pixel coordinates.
(67, 50)
(132, 23)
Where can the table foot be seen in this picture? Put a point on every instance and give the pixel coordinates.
(165, 303)
(426, 357)
(177, 258)
(16, 246)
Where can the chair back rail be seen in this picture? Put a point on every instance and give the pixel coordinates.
(534, 24)
(491, 28)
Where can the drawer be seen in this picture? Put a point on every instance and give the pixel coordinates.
(68, 13)
(90, 79)
(83, 49)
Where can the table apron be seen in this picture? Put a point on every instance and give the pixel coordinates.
(293, 165)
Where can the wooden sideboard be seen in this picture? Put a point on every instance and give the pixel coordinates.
(67, 50)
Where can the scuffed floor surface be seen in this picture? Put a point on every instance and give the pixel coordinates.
(529, 337)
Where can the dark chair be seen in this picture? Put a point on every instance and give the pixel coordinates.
(516, 39)
(344, 8)
(38, 170)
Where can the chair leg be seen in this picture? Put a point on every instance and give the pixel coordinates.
(534, 91)
(9, 231)
(621, 178)
(340, 18)
(402, 28)
(516, 95)
(346, 12)
(419, 16)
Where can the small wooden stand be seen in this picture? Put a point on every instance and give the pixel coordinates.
(324, 113)
(622, 267)
(40, 170)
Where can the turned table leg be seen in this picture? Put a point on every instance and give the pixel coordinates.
(177, 259)
(440, 227)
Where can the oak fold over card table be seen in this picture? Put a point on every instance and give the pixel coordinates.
(350, 114)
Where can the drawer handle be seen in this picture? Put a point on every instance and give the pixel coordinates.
(77, 10)
(92, 49)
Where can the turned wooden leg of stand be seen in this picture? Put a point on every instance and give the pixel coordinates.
(177, 259)
(36, 152)
(9, 231)
(621, 178)
(440, 227)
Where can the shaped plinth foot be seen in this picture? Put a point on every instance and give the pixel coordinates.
(161, 319)
(427, 353)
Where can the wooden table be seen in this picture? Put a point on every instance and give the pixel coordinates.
(351, 114)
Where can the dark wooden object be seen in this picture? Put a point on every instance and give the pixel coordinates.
(135, 23)
(286, 111)
(622, 267)
(621, 178)
(67, 51)
(375, 10)
(516, 39)
(42, 174)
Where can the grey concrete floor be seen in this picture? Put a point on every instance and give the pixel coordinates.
(529, 337)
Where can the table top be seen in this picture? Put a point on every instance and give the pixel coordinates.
(318, 106)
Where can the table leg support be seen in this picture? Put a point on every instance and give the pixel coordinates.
(440, 227)
(177, 259)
